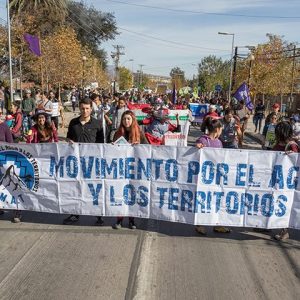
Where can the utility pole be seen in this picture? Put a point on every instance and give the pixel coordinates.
(234, 66)
(116, 57)
(293, 77)
(141, 74)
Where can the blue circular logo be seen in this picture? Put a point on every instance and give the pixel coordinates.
(16, 170)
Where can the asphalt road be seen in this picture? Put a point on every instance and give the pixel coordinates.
(42, 259)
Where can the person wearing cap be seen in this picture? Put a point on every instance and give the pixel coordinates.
(43, 131)
(28, 108)
(158, 125)
(212, 113)
(276, 110)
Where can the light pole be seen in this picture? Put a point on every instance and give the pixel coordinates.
(251, 59)
(231, 65)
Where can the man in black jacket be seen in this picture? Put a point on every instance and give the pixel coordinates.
(84, 129)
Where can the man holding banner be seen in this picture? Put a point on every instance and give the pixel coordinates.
(84, 129)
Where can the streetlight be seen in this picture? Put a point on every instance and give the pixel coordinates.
(231, 65)
(251, 59)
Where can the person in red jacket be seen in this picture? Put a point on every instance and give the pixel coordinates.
(42, 131)
(16, 129)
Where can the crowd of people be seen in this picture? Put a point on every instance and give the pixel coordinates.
(107, 118)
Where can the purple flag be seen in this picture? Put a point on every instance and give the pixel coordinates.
(174, 96)
(33, 43)
(242, 93)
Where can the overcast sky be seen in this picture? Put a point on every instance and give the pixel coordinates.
(166, 33)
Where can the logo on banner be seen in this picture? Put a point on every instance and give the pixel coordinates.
(19, 173)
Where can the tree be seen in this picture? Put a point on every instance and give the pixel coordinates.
(92, 27)
(125, 81)
(18, 7)
(62, 58)
(178, 77)
(213, 71)
(271, 70)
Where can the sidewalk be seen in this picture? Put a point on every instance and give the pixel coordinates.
(257, 137)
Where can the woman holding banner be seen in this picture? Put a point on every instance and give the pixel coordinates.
(43, 131)
(130, 130)
(214, 127)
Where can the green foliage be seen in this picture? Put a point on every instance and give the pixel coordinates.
(213, 71)
(92, 27)
(125, 81)
(178, 77)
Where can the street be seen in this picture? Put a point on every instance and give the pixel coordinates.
(43, 259)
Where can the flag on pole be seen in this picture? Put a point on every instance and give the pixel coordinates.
(242, 93)
(174, 96)
(33, 42)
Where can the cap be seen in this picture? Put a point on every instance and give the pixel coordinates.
(40, 112)
(27, 91)
(276, 105)
(213, 107)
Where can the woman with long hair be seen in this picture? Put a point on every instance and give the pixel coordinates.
(130, 130)
(43, 131)
(214, 127)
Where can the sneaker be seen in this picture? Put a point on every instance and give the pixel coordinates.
(16, 220)
(221, 229)
(71, 220)
(200, 230)
(99, 221)
(117, 225)
(132, 225)
(283, 235)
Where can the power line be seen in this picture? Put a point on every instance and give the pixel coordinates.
(151, 37)
(171, 42)
(203, 12)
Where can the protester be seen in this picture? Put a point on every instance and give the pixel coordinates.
(5, 133)
(269, 133)
(114, 116)
(212, 112)
(259, 114)
(16, 128)
(211, 140)
(158, 124)
(74, 100)
(5, 136)
(45, 104)
(55, 108)
(243, 114)
(130, 130)
(276, 110)
(42, 131)
(28, 108)
(231, 130)
(84, 129)
(284, 143)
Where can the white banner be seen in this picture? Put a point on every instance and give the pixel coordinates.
(183, 184)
